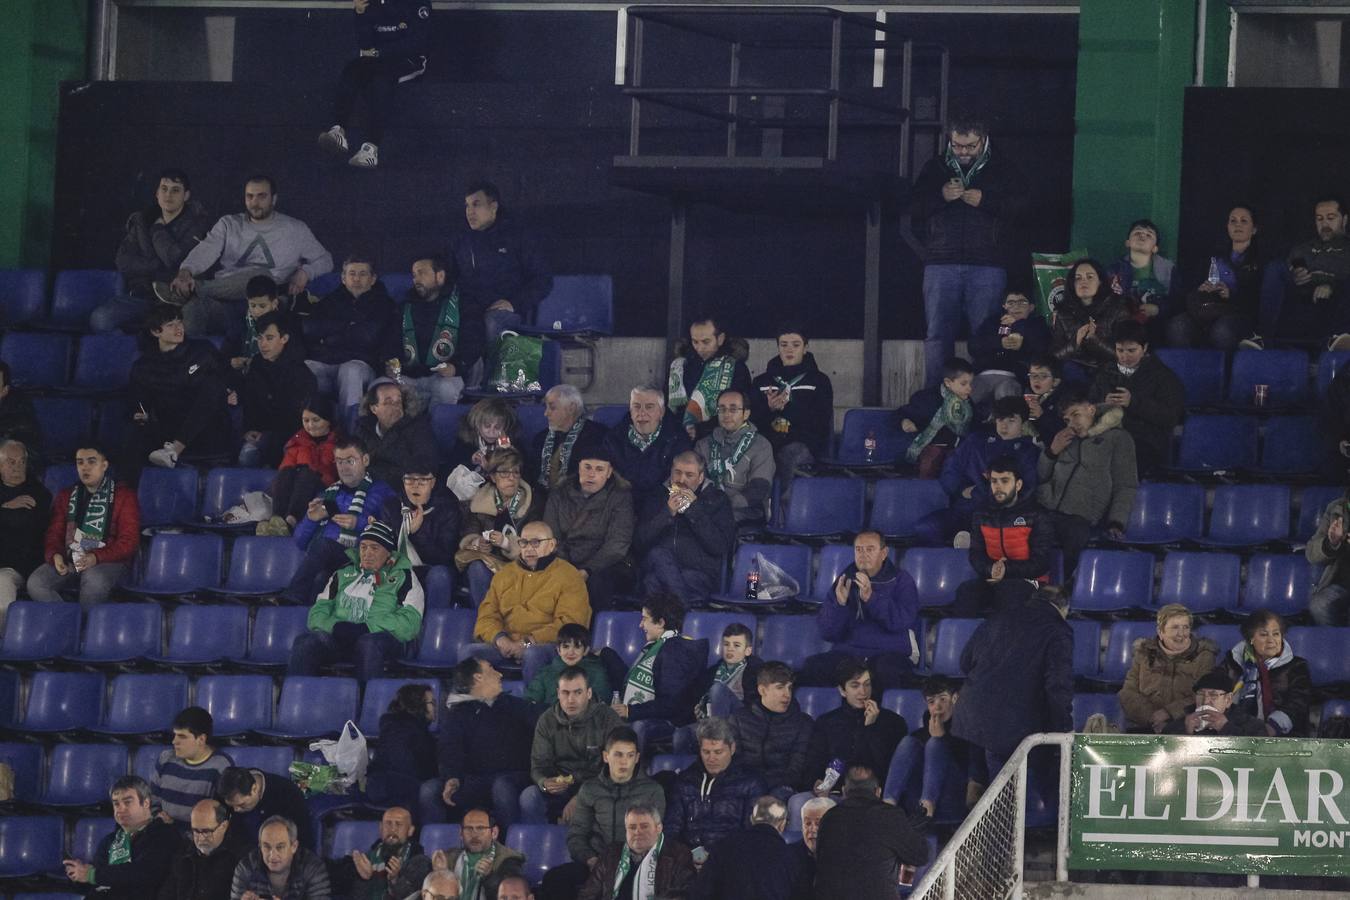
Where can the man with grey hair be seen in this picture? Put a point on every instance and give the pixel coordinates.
(648, 862)
(774, 872)
(804, 851)
(568, 438)
(24, 503)
(645, 442)
(132, 862)
(686, 534)
(439, 885)
(713, 797)
(280, 867)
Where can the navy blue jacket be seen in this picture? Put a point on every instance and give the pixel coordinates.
(699, 538)
(343, 327)
(755, 864)
(477, 739)
(968, 465)
(1019, 678)
(775, 743)
(647, 470)
(498, 263)
(987, 350)
(406, 747)
(675, 673)
(841, 734)
(395, 27)
(704, 809)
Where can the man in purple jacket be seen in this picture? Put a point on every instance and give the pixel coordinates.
(872, 616)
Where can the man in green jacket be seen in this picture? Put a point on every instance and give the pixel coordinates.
(369, 611)
(566, 749)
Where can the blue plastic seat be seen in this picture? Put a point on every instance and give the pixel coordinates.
(322, 285)
(31, 845)
(1085, 705)
(1217, 443)
(237, 703)
(1313, 501)
(883, 424)
(1284, 372)
(1323, 646)
(145, 760)
(89, 831)
(937, 573)
(78, 292)
(312, 707)
(479, 578)
(1201, 371)
(377, 696)
(709, 626)
(1293, 445)
(205, 634)
(37, 359)
(907, 703)
(1280, 582)
(438, 586)
(832, 559)
(26, 762)
(441, 836)
(794, 559)
(114, 421)
(167, 496)
(1120, 648)
(445, 421)
(398, 284)
(670, 762)
(1329, 365)
(620, 632)
(144, 704)
(1113, 581)
(276, 760)
(530, 418)
(1336, 707)
(609, 414)
(226, 487)
(824, 506)
(103, 363)
(63, 701)
(790, 639)
(1166, 513)
(445, 633)
(23, 296)
(79, 774)
(1247, 515)
(577, 304)
(66, 423)
(817, 701)
(950, 637)
(180, 564)
(40, 631)
(899, 504)
(544, 846)
(260, 566)
(58, 477)
(1202, 582)
(274, 630)
(120, 632)
(353, 835)
(1087, 645)
(1226, 636)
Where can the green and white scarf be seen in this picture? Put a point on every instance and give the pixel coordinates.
(954, 413)
(379, 858)
(714, 379)
(347, 536)
(443, 339)
(119, 851)
(641, 684)
(640, 441)
(644, 886)
(720, 466)
(94, 524)
(967, 175)
(251, 338)
(726, 675)
(466, 871)
(546, 461)
(513, 507)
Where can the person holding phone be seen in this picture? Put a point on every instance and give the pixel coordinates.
(1310, 302)
(133, 860)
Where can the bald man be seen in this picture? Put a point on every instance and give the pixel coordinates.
(441, 885)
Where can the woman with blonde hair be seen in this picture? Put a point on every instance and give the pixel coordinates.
(1158, 687)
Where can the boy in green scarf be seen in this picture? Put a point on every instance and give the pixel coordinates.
(946, 414)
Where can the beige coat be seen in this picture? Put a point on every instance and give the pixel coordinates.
(1158, 681)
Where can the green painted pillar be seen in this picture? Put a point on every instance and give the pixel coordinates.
(41, 45)
(1135, 60)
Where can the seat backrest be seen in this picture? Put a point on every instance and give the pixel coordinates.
(237, 703)
(117, 631)
(145, 760)
(794, 559)
(36, 630)
(312, 705)
(1225, 635)
(530, 417)
(833, 559)
(438, 586)
(608, 414)
(1279, 582)
(185, 561)
(226, 486)
(1293, 445)
(1218, 442)
(276, 760)
(1201, 371)
(445, 632)
(66, 424)
(1087, 647)
(208, 631)
(1313, 501)
(544, 846)
(88, 832)
(1112, 580)
(1085, 705)
(77, 292)
(61, 701)
(621, 633)
(441, 837)
(881, 423)
(103, 361)
(950, 637)
(377, 696)
(817, 701)
(37, 359)
(791, 639)
(937, 573)
(1120, 647)
(907, 703)
(167, 496)
(1164, 512)
(274, 630)
(670, 762)
(1323, 646)
(578, 303)
(146, 702)
(1329, 364)
(262, 564)
(353, 835)
(1249, 513)
(709, 626)
(23, 295)
(31, 845)
(79, 774)
(1284, 372)
(899, 504)
(1202, 582)
(826, 506)
(445, 420)
(26, 762)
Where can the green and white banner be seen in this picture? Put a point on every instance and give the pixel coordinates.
(1241, 805)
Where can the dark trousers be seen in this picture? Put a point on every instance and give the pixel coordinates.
(499, 792)
(348, 641)
(322, 558)
(889, 670)
(378, 77)
(662, 572)
(564, 882)
(1072, 534)
(978, 598)
(292, 490)
(603, 584)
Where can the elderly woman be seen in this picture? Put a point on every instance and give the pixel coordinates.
(492, 520)
(489, 424)
(1165, 668)
(558, 450)
(1273, 684)
(1086, 316)
(395, 428)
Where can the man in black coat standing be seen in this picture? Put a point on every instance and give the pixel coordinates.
(756, 864)
(863, 842)
(202, 869)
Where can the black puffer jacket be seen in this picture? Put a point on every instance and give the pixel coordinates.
(774, 743)
(700, 537)
(706, 808)
(409, 443)
(809, 413)
(956, 232)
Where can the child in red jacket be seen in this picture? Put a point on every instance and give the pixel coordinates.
(307, 467)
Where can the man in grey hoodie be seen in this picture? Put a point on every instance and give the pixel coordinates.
(258, 241)
(739, 459)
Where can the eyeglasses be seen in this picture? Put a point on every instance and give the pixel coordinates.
(532, 543)
(428, 894)
(975, 145)
(1211, 695)
(419, 479)
(507, 473)
(730, 409)
(205, 832)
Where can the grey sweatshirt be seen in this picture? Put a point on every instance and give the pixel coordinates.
(751, 479)
(281, 244)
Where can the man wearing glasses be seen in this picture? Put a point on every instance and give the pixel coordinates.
(1214, 712)
(965, 202)
(483, 862)
(739, 460)
(202, 870)
(438, 886)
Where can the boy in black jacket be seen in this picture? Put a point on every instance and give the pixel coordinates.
(277, 383)
(352, 333)
(792, 404)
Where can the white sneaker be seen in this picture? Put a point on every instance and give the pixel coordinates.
(334, 140)
(1255, 342)
(962, 540)
(164, 456)
(368, 157)
(1339, 342)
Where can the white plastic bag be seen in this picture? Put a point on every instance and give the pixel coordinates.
(464, 482)
(774, 581)
(349, 753)
(256, 507)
